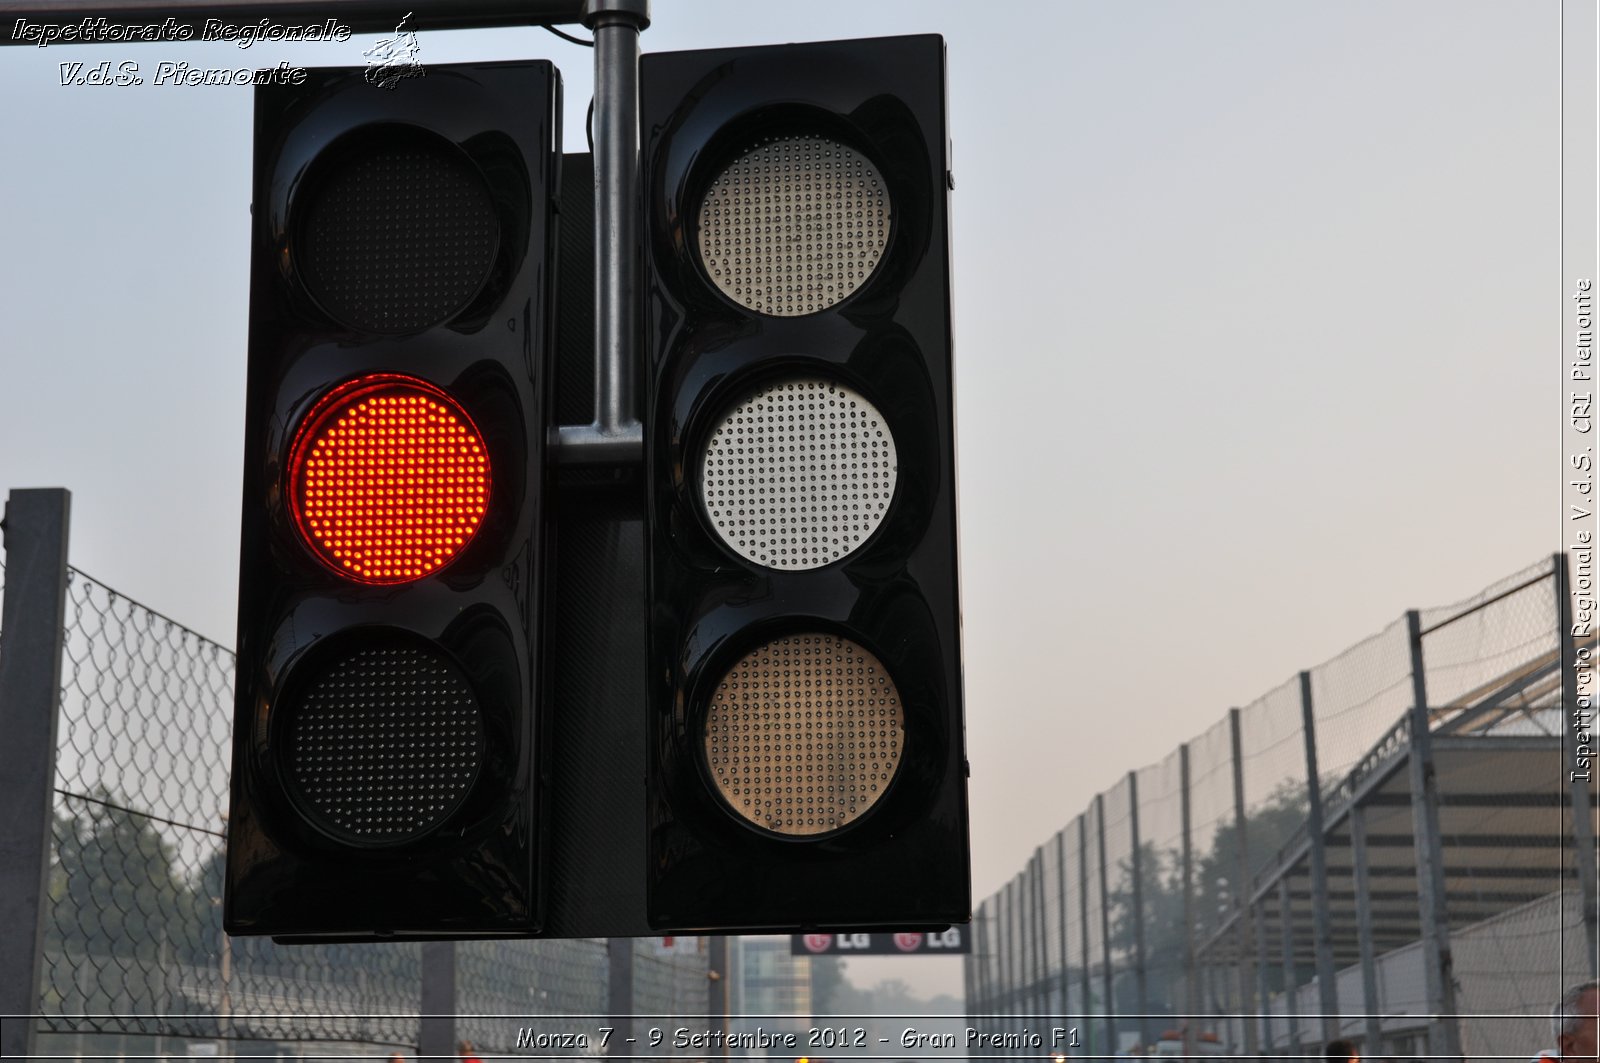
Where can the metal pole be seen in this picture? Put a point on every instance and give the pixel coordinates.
(615, 436)
(1083, 921)
(1041, 981)
(1291, 980)
(717, 984)
(1191, 976)
(969, 985)
(1578, 717)
(1061, 904)
(619, 995)
(1444, 1032)
(1241, 891)
(437, 1036)
(1008, 948)
(1141, 985)
(1369, 959)
(1262, 967)
(1107, 976)
(31, 633)
(976, 997)
(1322, 940)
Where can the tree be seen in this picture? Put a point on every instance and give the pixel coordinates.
(112, 883)
(827, 979)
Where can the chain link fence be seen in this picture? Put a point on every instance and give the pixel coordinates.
(135, 962)
(1267, 886)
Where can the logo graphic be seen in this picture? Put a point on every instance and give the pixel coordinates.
(908, 942)
(393, 59)
(818, 942)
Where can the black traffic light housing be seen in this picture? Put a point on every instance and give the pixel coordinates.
(801, 478)
(388, 749)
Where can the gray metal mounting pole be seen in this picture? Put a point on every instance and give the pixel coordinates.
(1083, 921)
(1583, 843)
(1107, 975)
(615, 436)
(1322, 940)
(1373, 1048)
(1444, 1031)
(31, 632)
(1291, 978)
(619, 995)
(1191, 975)
(437, 1037)
(1241, 892)
(1141, 984)
(1263, 985)
(1061, 922)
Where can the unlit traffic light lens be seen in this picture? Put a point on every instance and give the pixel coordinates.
(794, 225)
(390, 479)
(398, 235)
(384, 743)
(798, 474)
(804, 734)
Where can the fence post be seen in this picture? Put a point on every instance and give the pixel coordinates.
(436, 1038)
(717, 984)
(1140, 977)
(1191, 975)
(619, 995)
(31, 634)
(1583, 846)
(1083, 921)
(1041, 944)
(1369, 961)
(1107, 975)
(1444, 1031)
(1241, 891)
(1061, 905)
(1291, 976)
(1008, 948)
(1322, 942)
(1259, 910)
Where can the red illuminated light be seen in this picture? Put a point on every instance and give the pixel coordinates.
(390, 479)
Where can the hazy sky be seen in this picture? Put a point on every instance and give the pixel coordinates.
(1255, 306)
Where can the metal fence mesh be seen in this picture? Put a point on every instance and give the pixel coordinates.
(1501, 826)
(134, 953)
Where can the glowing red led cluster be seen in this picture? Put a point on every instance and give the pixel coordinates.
(390, 479)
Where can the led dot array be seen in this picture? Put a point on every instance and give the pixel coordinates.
(385, 743)
(804, 734)
(798, 474)
(398, 238)
(794, 226)
(391, 481)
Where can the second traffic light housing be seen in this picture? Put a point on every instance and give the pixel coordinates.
(806, 761)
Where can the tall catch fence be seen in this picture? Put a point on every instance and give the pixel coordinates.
(1383, 848)
(134, 959)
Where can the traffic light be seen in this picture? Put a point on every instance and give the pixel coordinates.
(387, 742)
(806, 764)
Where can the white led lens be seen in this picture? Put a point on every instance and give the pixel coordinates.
(798, 474)
(804, 734)
(794, 226)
